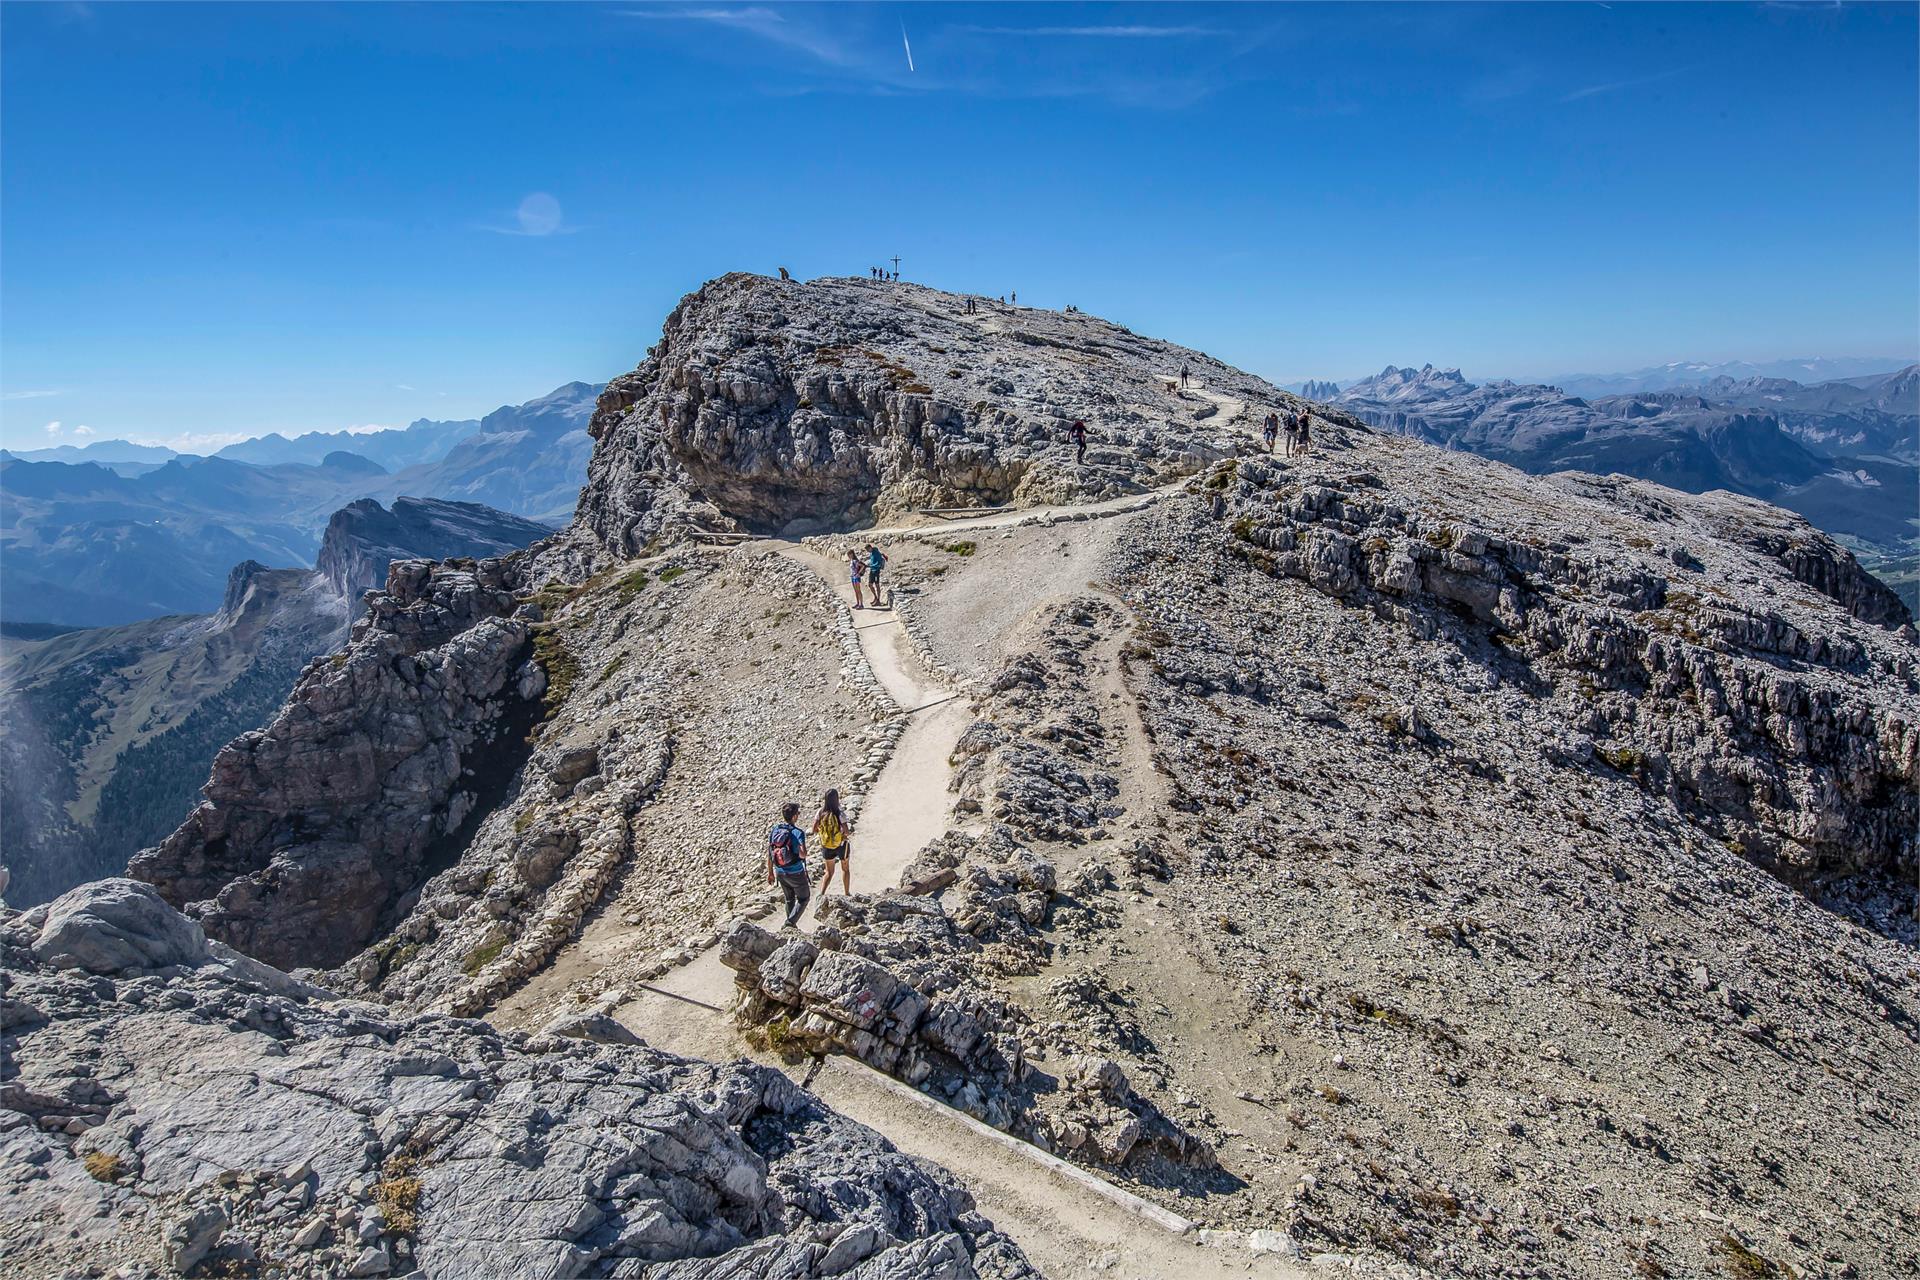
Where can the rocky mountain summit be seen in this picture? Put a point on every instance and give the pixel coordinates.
(773, 406)
(1382, 854)
(108, 733)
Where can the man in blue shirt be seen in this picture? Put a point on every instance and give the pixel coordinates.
(787, 862)
(876, 561)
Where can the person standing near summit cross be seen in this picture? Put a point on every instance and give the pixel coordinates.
(787, 862)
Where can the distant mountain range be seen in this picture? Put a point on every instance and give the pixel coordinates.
(1842, 453)
(107, 733)
(1692, 373)
(116, 532)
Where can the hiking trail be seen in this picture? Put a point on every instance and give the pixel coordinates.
(1070, 1221)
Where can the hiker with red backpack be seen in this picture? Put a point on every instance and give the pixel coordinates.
(787, 863)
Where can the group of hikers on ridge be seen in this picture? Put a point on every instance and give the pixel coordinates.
(1299, 438)
(787, 854)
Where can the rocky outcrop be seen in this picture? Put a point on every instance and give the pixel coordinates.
(317, 825)
(109, 734)
(1792, 729)
(894, 979)
(167, 1110)
(363, 538)
(813, 993)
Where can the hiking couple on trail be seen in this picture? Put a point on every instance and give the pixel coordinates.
(866, 564)
(787, 854)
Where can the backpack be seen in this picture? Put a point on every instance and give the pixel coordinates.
(783, 846)
(832, 833)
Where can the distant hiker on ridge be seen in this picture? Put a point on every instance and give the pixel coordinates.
(1183, 375)
(1079, 441)
(787, 862)
(1271, 429)
(1305, 440)
(857, 572)
(835, 843)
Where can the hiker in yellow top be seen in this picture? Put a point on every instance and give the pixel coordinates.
(835, 846)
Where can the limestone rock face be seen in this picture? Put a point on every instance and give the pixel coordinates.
(315, 826)
(198, 1117)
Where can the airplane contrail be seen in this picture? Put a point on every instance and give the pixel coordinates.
(909, 47)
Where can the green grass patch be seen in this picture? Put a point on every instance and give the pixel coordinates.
(632, 585)
(672, 572)
(562, 668)
(1622, 759)
(482, 956)
(552, 596)
(1743, 1263)
(960, 548)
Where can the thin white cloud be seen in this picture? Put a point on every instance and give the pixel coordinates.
(768, 24)
(401, 386)
(1126, 32)
(1614, 86)
(83, 430)
(368, 428)
(28, 395)
(538, 215)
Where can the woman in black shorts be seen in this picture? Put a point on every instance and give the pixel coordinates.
(836, 844)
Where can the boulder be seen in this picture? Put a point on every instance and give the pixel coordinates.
(115, 925)
(849, 989)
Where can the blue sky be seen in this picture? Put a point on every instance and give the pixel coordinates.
(231, 219)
